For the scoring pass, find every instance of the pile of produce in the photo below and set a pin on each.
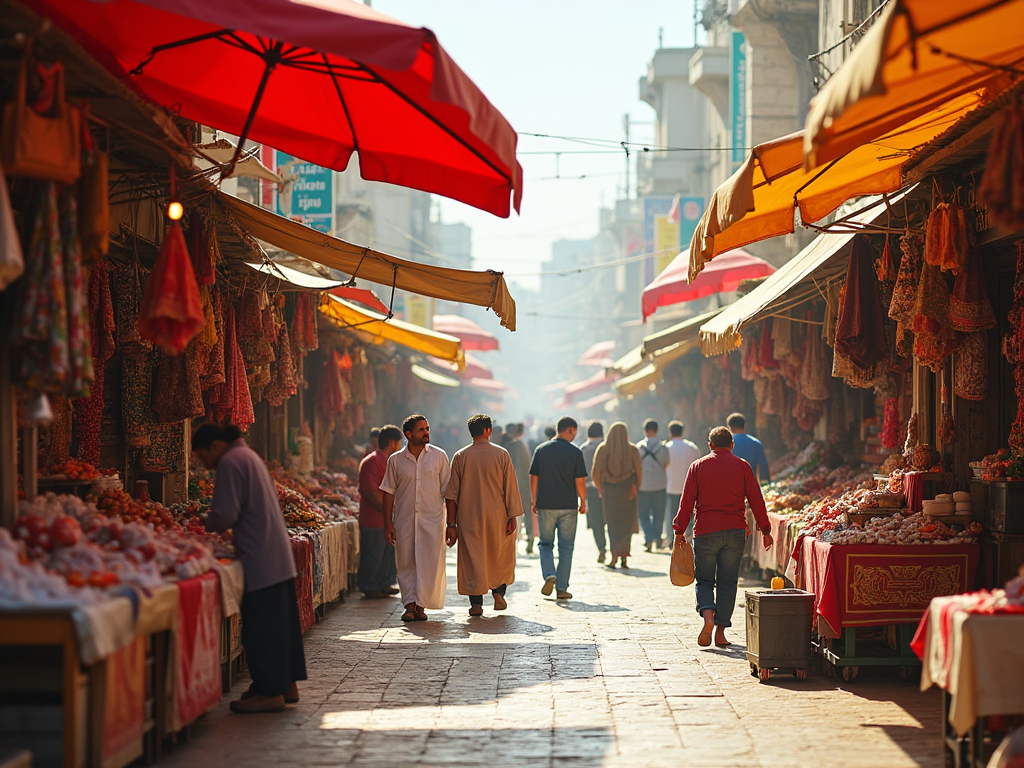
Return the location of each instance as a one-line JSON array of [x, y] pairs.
[[299, 512], [913, 529], [825, 514], [72, 539], [117, 503], [73, 469], [23, 581]]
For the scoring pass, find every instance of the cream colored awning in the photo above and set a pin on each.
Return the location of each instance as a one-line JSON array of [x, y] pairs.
[[684, 333], [433, 377], [349, 317], [805, 276], [294, 277], [639, 382], [485, 289]]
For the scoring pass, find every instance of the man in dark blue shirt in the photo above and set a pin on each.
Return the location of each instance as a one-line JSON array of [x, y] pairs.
[[557, 489], [747, 447]]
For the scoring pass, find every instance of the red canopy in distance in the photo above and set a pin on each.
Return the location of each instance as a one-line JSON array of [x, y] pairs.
[[599, 355], [472, 336], [723, 274], [319, 80]]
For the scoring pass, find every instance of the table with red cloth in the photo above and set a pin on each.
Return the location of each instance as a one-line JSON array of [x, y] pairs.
[[784, 538], [972, 646], [302, 552], [196, 649], [870, 585]]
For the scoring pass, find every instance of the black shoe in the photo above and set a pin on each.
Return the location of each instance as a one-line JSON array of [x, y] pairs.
[[373, 594]]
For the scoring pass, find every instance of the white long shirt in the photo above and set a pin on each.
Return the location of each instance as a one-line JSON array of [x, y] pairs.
[[683, 454]]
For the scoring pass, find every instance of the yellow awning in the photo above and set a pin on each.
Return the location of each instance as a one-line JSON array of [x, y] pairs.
[[807, 275], [484, 289], [758, 201], [352, 318], [916, 57], [434, 377]]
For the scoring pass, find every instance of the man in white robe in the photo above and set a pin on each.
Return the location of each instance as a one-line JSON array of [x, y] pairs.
[[414, 518]]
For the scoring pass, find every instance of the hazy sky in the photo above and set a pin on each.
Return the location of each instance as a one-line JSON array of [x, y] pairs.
[[562, 67]]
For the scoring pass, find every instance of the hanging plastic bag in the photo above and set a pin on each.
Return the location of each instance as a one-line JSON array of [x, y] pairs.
[[171, 312], [681, 571]]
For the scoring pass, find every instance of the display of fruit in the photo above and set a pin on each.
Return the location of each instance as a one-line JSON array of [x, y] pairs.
[[117, 502], [26, 582], [74, 469]]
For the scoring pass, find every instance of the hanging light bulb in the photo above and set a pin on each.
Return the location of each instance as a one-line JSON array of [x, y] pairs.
[[38, 410], [175, 210]]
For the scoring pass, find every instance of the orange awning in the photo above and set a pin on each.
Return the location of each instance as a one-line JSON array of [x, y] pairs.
[[917, 56], [757, 202]]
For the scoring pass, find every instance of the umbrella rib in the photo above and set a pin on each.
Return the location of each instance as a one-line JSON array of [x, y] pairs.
[[344, 104], [435, 121], [272, 57], [177, 44]]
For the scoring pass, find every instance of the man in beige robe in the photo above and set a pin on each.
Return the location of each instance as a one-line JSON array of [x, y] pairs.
[[483, 504]]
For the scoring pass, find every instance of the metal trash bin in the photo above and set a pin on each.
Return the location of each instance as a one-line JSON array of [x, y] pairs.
[[779, 631]]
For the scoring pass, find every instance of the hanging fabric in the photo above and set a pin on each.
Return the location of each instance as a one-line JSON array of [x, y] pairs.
[[934, 337], [94, 206], [904, 296], [1002, 183], [860, 335], [969, 307], [946, 239], [12, 262], [970, 367]]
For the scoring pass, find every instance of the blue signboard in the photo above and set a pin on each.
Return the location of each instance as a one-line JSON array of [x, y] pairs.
[[738, 97], [308, 193]]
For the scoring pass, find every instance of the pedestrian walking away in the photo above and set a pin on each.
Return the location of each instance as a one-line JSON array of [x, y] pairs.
[[483, 510], [595, 506], [377, 567], [618, 472], [414, 518], [558, 490], [716, 490], [651, 502], [245, 500], [748, 447], [682, 453], [521, 463]]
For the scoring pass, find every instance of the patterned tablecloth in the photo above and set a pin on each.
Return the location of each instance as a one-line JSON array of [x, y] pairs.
[[874, 585]]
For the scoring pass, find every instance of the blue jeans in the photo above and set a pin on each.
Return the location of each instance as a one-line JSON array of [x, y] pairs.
[[716, 561], [651, 507], [671, 509], [377, 567], [564, 522]]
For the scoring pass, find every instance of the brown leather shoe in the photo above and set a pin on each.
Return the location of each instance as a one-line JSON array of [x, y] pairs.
[[257, 704]]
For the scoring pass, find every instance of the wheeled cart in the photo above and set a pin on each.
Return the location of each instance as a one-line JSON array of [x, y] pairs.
[[779, 632]]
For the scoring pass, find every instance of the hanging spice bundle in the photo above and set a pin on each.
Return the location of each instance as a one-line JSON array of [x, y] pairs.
[[891, 423], [171, 313], [89, 410], [946, 238], [1002, 183]]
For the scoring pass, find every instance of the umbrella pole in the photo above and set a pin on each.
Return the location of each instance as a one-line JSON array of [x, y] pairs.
[[272, 57]]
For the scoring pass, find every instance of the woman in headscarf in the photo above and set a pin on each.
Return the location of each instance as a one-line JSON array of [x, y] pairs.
[[617, 475]]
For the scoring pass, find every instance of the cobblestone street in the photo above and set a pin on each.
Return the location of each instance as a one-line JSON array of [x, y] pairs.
[[612, 678]]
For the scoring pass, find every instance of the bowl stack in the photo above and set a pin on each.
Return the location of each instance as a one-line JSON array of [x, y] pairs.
[[941, 506]]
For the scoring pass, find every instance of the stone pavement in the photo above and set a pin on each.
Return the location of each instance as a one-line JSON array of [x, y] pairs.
[[612, 678]]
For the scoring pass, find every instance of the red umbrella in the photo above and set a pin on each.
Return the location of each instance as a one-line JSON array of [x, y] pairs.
[[474, 368], [472, 336], [723, 274], [363, 296], [598, 355], [318, 80]]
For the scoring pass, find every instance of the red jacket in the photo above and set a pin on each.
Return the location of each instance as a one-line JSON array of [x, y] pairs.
[[718, 485], [371, 475]]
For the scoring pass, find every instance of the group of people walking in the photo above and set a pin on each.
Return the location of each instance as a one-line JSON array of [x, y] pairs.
[[414, 502]]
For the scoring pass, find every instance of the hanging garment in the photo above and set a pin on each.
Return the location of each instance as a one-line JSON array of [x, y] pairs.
[[970, 367], [969, 307], [782, 338], [177, 394], [904, 296], [89, 410], [80, 371], [814, 372], [891, 423], [171, 313], [935, 339], [211, 360], [860, 335], [946, 237], [1002, 183]]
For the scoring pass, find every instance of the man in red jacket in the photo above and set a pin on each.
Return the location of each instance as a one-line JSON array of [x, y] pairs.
[[717, 486]]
